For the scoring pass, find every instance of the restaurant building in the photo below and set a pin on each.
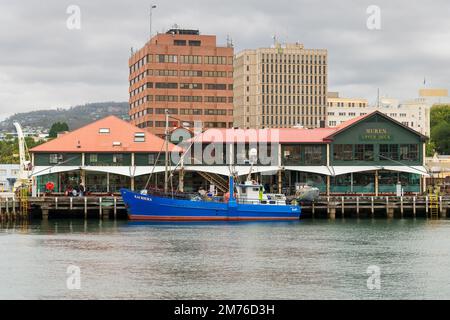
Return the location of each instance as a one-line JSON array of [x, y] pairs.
[[104, 156], [369, 155]]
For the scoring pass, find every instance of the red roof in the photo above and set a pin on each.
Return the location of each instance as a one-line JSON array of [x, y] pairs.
[[282, 135], [117, 136]]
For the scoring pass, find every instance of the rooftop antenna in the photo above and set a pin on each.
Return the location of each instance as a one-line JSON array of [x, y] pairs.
[[229, 41], [153, 6]]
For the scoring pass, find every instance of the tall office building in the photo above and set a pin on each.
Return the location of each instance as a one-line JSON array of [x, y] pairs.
[[186, 73], [282, 86]]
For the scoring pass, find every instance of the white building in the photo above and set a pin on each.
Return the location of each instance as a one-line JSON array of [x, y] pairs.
[[412, 113], [8, 176]]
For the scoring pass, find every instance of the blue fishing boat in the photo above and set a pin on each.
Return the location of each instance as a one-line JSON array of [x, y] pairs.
[[250, 203]]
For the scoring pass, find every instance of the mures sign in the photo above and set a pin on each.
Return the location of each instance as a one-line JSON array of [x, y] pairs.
[[376, 134]]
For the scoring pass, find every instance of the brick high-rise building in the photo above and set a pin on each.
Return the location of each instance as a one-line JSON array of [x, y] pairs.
[[186, 73], [282, 86]]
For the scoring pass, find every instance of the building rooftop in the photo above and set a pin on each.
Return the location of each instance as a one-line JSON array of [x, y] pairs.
[[285, 135], [183, 31], [109, 134]]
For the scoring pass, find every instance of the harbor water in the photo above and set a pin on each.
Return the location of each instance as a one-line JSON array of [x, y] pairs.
[[309, 259]]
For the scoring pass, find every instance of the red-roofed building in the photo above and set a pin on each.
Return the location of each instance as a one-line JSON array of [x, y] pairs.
[[366, 155], [105, 156]]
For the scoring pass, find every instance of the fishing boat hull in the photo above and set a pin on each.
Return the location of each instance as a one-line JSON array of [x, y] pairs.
[[150, 207]]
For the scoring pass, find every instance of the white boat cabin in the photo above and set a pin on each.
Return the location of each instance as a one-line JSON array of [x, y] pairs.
[[253, 193]]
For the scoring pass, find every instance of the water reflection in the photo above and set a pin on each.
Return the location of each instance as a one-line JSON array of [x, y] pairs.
[[167, 260]]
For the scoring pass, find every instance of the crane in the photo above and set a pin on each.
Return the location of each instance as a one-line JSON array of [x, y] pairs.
[[25, 163]]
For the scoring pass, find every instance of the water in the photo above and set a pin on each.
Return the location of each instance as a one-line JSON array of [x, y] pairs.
[[311, 259]]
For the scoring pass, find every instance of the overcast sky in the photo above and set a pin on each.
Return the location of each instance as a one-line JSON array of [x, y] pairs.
[[44, 64]]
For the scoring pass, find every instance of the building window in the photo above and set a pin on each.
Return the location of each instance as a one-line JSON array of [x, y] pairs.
[[409, 152], [118, 158], [103, 130], [343, 152], [313, 154], [139, 137], [364, 152], [179, 42], [191, 86], [93, 158], [388, 152], [195, 43], [166, 85], [167, 58], [191, 59], [55, 158]]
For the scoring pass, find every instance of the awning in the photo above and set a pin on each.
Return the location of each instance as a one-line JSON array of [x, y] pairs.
[[410, 169], [124, 171], [339, 170], [42, 171], [223, 170], [324, 170], [140, 171]]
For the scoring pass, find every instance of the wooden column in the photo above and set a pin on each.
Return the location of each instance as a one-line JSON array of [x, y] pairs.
[[376, 183], [328, 185], [181, 180], [280, 181]]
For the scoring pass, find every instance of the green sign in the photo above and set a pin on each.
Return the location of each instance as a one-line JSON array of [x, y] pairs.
[[374, 134]]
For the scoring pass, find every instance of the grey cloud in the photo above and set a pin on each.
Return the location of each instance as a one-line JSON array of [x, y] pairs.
[[43, 64]]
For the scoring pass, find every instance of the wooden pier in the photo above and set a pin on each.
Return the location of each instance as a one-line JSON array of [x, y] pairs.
[[61, 207], [382, 206], [331, 207]]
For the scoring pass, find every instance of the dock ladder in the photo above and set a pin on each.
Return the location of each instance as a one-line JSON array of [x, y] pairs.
[[433, 204], [23, 202]]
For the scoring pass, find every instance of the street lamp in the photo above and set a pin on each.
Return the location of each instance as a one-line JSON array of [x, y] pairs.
[[153, 6]]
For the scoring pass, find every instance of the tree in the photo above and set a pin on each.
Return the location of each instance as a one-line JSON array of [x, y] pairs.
[[56, 128], [9, 149], [440, 128]]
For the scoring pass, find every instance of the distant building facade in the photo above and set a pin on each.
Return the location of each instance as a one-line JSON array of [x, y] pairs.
[[186, 73], [280, 87], [8, 176], [412, 113]]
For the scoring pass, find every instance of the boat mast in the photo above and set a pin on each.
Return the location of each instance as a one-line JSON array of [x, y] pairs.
[[166, 160]]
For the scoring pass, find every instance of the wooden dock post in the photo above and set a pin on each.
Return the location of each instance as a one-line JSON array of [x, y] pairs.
[[45, 214], [85, 208], [372, 207], [401, 206], [389, 210], [100, 200], [426, 205], [332, 212], [414, 206], [343, 206], [312, 209], [115, 208], [7, 206], [442, 210], [357, 206], [71, 203], [56, 203]]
